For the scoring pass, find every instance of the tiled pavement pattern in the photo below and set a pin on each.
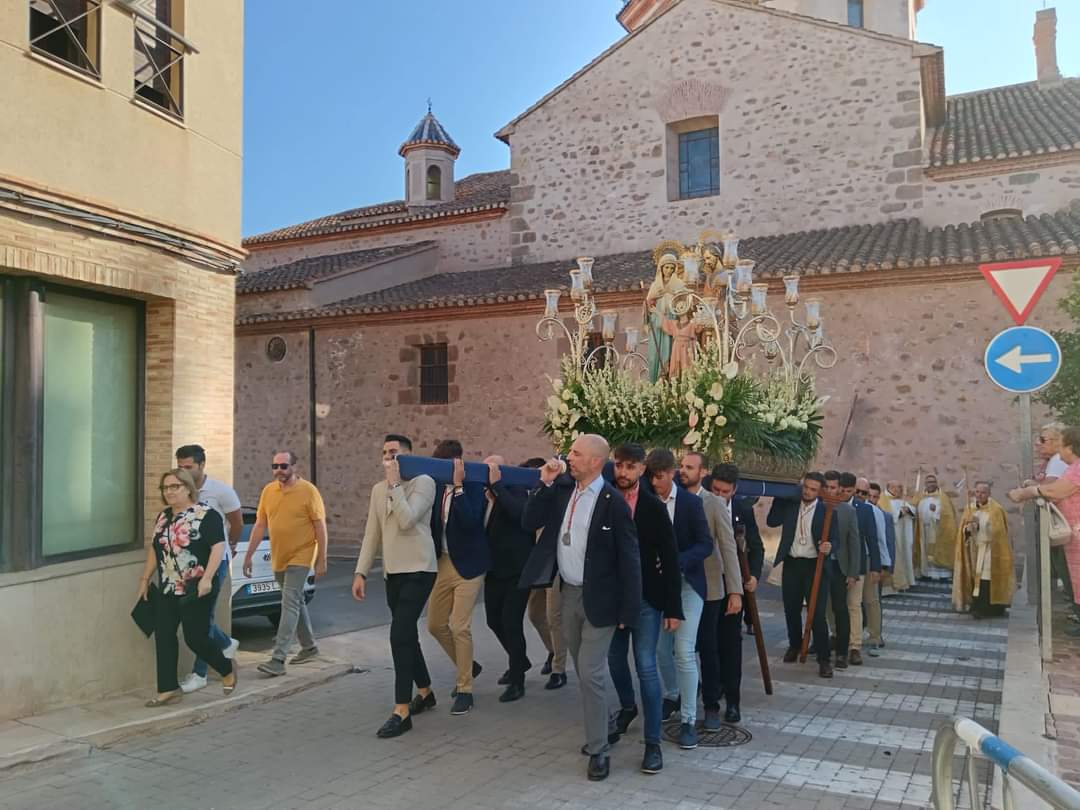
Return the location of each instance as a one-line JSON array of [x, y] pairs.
[[860, 741], [1063, 674]]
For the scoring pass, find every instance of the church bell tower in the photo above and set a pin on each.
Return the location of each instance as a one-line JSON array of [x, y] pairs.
[[429, 154]]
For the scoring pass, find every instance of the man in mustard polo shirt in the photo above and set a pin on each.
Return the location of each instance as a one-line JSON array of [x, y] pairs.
[[293, 510]]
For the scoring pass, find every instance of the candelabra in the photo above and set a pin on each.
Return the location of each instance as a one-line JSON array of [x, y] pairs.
[[720, 294], [551, 325]]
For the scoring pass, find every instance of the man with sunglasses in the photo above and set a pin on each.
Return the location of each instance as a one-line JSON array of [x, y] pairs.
[[853, 489], [293, 510]]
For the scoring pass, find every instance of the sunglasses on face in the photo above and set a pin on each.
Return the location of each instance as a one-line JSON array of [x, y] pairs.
[[864, 492], [279, 466], [1042, 440]]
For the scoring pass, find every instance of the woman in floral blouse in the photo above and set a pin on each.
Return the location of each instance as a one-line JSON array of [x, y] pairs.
[[189, 540]]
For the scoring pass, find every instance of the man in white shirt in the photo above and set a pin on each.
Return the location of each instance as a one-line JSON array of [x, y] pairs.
[[589, 538], [222, 499]]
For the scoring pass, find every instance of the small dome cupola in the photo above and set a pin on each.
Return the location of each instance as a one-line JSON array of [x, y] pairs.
[[429, 154]]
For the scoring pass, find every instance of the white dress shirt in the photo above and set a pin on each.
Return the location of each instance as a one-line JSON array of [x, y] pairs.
[[576, 522], [669, 502], [804, 547], [883, 540]]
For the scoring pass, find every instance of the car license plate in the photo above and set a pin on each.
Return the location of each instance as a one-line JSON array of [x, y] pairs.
[[263, 587]]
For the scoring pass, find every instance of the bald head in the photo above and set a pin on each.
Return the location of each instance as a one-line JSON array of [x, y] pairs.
[[587, 456], [496, 459], [862, 488]]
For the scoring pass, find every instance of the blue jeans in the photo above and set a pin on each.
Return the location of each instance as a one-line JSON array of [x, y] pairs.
[[677, 659], [645, 636], [216, 635]]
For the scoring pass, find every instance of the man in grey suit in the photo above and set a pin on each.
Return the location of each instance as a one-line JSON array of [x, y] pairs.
[[845, 566]]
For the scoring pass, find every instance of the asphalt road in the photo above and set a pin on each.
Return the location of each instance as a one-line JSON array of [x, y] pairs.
[[333, 610]]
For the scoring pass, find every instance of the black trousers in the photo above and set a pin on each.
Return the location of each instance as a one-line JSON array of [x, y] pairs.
[[980, 605], [170, 613], [1059, 569], [406, 595], [729, 639], [708, 648], [505, 605], [838, 590], [796, 582]]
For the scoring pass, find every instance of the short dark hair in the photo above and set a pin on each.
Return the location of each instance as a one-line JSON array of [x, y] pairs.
[[192, 451], [704, 460], [630, 451], [293, 458], [815, 476], [404, 441], [448, 448], [659, 460], [847, 479], [1070, 437], [875, 486], [534, 463], [832, 475], [728, 473]]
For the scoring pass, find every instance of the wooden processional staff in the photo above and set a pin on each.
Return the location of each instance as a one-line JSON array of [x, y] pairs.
[[816, 587], [752, 611]]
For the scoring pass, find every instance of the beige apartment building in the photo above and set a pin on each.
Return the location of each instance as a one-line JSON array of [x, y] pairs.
[[120, 170]]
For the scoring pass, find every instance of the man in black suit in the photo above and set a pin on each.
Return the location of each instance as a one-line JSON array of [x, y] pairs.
[[504, 601], [725, 477], [844, 565], [661, 604], [588, 537], [801, 521], [461, 545]]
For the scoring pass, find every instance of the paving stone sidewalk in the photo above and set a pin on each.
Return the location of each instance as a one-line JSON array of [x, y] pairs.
[[1063, 674], [861, 741]]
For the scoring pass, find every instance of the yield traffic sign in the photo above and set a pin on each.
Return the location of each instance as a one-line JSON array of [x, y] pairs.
[[1022, 359], [1020, 284]]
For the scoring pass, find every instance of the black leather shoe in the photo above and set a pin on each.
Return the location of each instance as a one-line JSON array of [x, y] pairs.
[[669, 708], [420, 704], [825, 669], [624, 718], [546, 669], [463, 703], [599, 768], [841, 662], [556, 681], [504, 679], [731, 715], [653, 761], [514, 691], [612, 738], [394, 727], [791, 655]]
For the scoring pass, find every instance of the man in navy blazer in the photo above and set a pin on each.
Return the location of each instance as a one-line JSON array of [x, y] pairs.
[[802, 522], [588, 537], [461, 545], [676, 655], [870, 612]]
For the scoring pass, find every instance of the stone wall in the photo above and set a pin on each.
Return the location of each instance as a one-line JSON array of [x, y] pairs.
[[474, 245], [923, 398], [188, 395], [819, 127], [1039, 190]]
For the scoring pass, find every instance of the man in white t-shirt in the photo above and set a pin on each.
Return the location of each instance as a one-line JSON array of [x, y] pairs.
[[223, 499]]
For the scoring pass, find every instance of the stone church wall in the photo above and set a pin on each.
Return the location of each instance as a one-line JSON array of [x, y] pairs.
[[1042, 190], [912, 383], [819, 127]]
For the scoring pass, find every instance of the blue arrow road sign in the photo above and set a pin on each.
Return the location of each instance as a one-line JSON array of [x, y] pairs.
[[1022, 359]]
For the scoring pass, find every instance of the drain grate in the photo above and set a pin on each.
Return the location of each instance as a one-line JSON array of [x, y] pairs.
[[726, 737]]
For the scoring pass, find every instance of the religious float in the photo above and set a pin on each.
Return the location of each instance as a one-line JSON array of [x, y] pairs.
[[709, 367]]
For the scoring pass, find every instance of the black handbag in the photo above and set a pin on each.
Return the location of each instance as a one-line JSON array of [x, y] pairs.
[[143, 612]]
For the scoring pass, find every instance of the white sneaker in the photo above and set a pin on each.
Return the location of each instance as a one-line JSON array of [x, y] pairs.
[[192, 683], [230, 651]]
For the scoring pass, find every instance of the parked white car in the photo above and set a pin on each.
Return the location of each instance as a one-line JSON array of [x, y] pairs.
[[259, 595]]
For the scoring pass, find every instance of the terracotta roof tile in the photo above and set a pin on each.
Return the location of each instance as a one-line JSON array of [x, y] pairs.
[[1008, 122], [299, 273], [896, 244], [477, 192]]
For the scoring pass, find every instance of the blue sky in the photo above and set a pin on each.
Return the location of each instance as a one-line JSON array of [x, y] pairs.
[[333, 88]]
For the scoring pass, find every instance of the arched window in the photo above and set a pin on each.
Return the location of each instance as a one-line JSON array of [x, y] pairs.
[[434, 183]]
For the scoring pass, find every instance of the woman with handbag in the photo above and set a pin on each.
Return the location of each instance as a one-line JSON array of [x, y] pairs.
[[1063, 495], [186, 550]]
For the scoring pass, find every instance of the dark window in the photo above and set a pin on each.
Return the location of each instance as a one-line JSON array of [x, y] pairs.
[[72, 366], [855, 13], [159, 58], [276, 349], [67, 30], [699, 163], [1001, 213], [434, 375], [434, 183]]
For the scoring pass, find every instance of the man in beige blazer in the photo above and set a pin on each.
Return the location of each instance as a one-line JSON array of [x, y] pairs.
[[399, 527]]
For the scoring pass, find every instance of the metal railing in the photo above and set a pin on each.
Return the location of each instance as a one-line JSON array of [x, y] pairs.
[[1014, 766]]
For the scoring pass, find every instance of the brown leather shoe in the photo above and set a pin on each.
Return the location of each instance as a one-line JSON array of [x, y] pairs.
[[791, 655], [855, 658]]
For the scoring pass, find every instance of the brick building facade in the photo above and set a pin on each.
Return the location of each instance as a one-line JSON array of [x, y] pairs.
[[836, 154]]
